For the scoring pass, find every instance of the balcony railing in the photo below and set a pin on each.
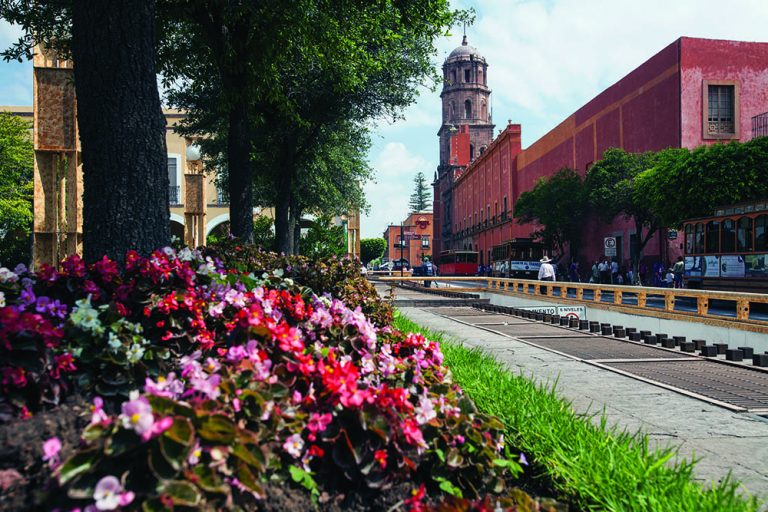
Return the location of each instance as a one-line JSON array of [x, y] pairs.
[[760, 125], [174, 195]]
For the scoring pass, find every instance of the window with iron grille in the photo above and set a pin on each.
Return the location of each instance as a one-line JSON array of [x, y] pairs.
[[720, 115], [721, 109]]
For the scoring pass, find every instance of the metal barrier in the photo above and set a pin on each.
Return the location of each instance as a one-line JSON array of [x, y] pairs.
[[706, 304]]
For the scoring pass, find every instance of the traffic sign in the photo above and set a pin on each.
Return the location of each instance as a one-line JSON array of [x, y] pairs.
[[609, 243]]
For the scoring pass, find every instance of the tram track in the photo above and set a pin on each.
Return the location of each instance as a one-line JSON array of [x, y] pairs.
[[737, 387]]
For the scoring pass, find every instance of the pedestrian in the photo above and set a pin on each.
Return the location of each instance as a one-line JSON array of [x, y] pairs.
[[595, 273], [480, 269], [669, 279], [605, 272], [573, 272], [630, 277], [546, 271], [429, 271], [614, 270], [679, 270]]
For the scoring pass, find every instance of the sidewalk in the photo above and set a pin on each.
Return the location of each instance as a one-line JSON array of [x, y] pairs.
[[724, 440]]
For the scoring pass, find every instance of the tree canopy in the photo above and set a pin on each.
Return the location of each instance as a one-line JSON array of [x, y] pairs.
[[420, 198], [16, 165], [557, 205], [371, 249]]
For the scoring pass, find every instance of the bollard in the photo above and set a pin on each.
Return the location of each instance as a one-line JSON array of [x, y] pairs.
[[734, 354], [709, 351], [635, 336], [644, 334], [619, 333], [668, 343], [606, 330], [721, 347], [630, 330], [584, 325], [616, 328], [661, 335], [540, 317], [650, 339], [555, 320], [760, 360], [699, 343], [687, 346], [547, 318], [574, 323], [564, 320], [594, 326], [678, 339], [748, 352]]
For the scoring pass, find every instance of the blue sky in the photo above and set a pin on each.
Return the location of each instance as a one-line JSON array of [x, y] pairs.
[[546, 58]]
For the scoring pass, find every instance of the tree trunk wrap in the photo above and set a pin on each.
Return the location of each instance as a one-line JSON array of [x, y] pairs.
[[122, 128]]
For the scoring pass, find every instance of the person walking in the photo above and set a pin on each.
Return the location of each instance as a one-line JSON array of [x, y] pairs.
[[546, 271], [429, 271], [595, 273], [678, 269]]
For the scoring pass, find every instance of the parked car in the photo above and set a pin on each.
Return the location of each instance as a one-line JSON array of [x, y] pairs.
[[401, 264]]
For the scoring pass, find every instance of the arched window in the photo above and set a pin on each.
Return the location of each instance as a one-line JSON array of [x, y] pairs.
[[467, 109], [483, 111], [744, 234], [713, 236], [761, 233], [699, 241], [728, 236]]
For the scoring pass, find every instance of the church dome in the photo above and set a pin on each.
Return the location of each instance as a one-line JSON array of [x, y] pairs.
[[465, 51]]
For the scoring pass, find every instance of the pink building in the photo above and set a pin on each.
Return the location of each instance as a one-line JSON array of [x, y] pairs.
[[693, 92]]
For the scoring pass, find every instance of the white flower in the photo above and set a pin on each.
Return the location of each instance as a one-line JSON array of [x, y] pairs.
[[135, 353], [114, 342], [294, 445], [185, 254], [2, 300], [425, 411], [6, 276]]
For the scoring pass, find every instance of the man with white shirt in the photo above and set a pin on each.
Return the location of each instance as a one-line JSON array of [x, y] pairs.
[[546, 271]]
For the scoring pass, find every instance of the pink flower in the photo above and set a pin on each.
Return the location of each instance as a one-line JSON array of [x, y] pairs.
[[168, 387], [137, 415], [413, 434], [109, 494], [51, 449], [294, 445], [319, 422], [425, 412], [99, 417]]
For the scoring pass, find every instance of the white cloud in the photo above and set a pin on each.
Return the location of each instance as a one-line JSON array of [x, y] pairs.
[[388, 194]]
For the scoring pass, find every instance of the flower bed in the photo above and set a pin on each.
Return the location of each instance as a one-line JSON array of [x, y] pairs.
[[216, 387]]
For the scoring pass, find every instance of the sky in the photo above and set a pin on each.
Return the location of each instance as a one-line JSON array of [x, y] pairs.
[[546, 58]]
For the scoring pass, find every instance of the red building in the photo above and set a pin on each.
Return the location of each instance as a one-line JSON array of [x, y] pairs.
[[693, 92], [412, 240]]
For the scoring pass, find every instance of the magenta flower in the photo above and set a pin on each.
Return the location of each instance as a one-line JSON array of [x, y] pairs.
[[319, 422], [109, 494], [51, 449], [98, 417], [168, 387]]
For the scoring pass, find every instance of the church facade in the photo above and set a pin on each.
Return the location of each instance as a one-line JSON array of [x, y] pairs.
[[693, 92]]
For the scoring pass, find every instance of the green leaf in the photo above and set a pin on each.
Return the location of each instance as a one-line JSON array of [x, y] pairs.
[[447, 487], [248, 479], [182, 431], [218, 428], [77, 465], [209, 480], [160, 466], [252, 456], [182, 493]]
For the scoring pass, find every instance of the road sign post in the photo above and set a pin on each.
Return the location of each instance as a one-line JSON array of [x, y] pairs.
[[609, 244]]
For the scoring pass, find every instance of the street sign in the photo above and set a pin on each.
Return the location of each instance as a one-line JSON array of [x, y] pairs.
[[609, 244], [579, 312], [671, 234]]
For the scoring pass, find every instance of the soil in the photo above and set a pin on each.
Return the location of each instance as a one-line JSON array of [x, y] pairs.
[[24, 478]]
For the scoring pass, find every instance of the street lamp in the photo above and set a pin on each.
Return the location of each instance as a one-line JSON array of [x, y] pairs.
[[194, 203]]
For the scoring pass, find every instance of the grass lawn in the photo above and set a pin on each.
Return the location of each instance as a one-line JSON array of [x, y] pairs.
[[592, 465]]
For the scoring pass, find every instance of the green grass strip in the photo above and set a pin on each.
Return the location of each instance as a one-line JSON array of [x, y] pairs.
[[595, 466]]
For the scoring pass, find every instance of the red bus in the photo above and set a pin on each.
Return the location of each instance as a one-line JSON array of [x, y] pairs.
[[457, 263], [729, 250]]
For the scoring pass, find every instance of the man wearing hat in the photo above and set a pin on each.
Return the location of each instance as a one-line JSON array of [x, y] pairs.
[[546, 271]]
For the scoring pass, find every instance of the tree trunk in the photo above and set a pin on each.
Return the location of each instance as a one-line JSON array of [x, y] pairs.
[[240, 174], [122, 128], [295, 223], [283, 234]]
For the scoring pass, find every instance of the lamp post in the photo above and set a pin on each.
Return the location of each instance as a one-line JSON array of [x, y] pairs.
[[194, 203]]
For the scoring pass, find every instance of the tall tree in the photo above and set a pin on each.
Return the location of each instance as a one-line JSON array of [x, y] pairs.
[[557, 205], [420, 198], [16, 163], [121, 125], [612, 188], [683, 184]]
